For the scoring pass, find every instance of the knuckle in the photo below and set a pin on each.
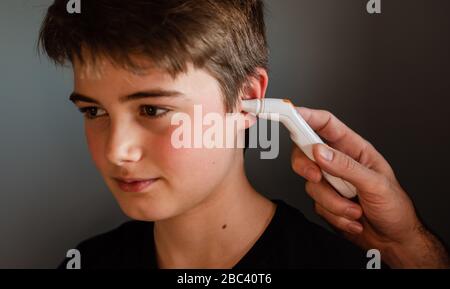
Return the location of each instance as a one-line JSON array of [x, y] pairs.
[[378, 184], [383, 183], [296, 163], [348, 163], [335, 208], [377, 190], [368, 145], [317, 209], [326, 112], [309, 188], [342, 223], [331, 117]]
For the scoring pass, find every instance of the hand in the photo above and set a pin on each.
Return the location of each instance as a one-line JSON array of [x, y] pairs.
[[382, 216]]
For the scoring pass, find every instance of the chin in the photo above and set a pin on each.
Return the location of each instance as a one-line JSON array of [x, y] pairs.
[[147, 210]]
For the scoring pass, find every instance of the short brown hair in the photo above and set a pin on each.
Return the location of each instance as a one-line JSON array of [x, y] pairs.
[[225, 37]]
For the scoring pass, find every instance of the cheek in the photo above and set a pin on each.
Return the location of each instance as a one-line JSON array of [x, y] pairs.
[[192, 167], [95, 143]]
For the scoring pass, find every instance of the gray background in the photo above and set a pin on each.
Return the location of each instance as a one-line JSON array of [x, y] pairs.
[[386, 76]]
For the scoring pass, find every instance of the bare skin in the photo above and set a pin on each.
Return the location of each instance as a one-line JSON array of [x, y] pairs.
[[213, 242], [206, 213], [227, 223], [209, 188], [384, 217]]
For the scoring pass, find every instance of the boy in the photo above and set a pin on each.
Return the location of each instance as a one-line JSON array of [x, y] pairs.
[[136, 64]]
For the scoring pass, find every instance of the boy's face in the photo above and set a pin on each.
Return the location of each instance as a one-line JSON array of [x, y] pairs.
[[132, 138]]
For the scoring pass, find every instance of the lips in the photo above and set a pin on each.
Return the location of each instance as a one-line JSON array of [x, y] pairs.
[[135, 184]]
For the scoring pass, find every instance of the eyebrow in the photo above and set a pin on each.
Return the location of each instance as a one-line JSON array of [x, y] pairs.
[[77, 97]]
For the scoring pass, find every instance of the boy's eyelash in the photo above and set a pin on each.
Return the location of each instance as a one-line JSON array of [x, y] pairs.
[[141, 108], [85, 110]]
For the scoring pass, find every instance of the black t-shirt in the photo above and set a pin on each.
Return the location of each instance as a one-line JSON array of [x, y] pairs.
[[289, 241]]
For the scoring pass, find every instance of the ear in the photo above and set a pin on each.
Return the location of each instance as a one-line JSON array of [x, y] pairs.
[[255, 88]]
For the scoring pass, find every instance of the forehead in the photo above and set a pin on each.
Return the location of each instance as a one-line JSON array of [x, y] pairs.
[[106, 78], [103, 68]]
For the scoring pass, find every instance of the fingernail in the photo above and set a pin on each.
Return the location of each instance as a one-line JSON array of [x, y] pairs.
[[325, 153], [311, 174], [354, 228], [352, 213]]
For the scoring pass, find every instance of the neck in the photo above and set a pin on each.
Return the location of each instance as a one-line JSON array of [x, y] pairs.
[[218, 231]]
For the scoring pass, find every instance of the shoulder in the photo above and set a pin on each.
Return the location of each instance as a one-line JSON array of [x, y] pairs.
[[306, 244], [116, 248]]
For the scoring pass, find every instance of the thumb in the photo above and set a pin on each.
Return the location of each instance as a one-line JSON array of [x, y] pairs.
[[343, 166]]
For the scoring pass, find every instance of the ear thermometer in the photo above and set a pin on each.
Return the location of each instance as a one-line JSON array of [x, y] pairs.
[[300, 132]]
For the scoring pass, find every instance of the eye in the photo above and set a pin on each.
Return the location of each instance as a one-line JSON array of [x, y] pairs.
[[91, 112], [153, 111]]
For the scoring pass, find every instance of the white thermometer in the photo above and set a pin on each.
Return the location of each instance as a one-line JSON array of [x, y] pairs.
[[301, 133]]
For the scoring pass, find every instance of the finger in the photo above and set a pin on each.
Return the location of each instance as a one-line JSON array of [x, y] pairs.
[[341, 165], [344, 139], [333, 130], [340, 223], [324, 195], [305, 167]]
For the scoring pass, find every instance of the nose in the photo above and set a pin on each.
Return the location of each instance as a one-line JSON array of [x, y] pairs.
[[123, 144]]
